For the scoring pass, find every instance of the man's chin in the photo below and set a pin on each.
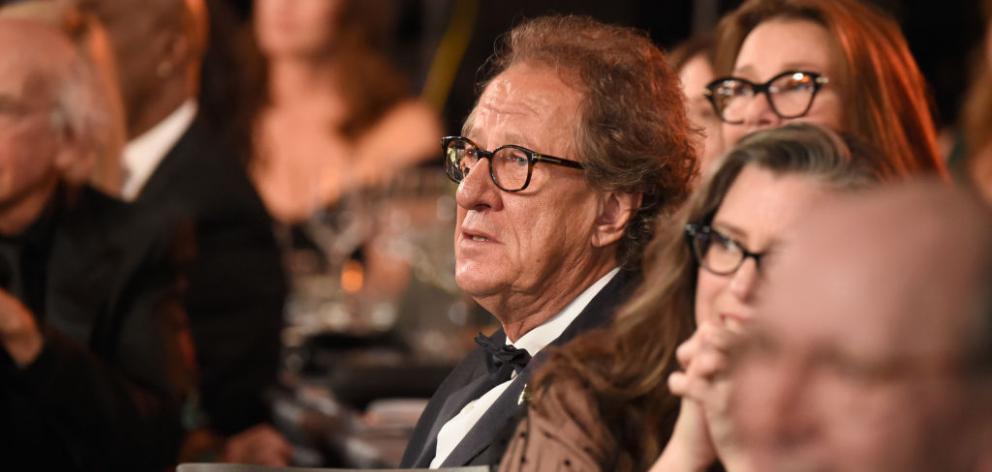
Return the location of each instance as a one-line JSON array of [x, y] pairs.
[[476, 283], [475, 288]]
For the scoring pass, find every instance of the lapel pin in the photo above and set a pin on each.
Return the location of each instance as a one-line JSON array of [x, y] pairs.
[[524, 397]]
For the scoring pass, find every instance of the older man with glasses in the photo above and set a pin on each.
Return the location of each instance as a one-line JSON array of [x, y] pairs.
[[577, 144]]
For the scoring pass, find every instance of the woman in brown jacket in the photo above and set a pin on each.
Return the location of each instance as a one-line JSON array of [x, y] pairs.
[[603, 402]]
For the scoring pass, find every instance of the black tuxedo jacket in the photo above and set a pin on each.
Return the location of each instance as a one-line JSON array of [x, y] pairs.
[[235, 281], [486, 441], [105, 392]]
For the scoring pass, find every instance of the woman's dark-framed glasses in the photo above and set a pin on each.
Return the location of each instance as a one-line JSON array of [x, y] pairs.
[[717, 252], [790, 94], [510, 166]]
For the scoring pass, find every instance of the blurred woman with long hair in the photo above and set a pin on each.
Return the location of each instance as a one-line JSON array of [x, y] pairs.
[[334, 114]]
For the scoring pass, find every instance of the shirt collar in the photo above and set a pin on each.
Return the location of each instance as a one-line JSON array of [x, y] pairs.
[[538, 338], [143, 154]]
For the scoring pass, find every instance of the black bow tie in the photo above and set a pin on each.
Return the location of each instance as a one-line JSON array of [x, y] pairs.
[[503, 358]]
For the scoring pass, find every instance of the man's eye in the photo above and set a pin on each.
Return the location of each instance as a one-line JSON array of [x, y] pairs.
[[513, 158]]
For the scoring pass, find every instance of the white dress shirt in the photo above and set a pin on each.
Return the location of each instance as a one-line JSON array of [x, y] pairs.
[[533, 341], [143, 154]]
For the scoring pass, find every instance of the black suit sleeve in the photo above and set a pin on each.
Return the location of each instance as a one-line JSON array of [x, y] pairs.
[[235, 281], [111, 402], [235, 300], [95, 417]]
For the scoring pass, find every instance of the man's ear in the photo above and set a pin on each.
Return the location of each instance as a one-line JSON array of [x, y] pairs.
[[176, 52], [73, 160], [615, 213]]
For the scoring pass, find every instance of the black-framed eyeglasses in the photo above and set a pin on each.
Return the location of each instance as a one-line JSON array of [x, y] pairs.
[[510, 166], [717, 252], [790, 94]]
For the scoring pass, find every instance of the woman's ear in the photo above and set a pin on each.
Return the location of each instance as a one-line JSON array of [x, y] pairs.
[[615, 213]]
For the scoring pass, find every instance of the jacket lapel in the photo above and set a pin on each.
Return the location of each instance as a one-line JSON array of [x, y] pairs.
[[438, 411], [171, 170], [452, 405], [81, 266], [492, 424], [461, 397]]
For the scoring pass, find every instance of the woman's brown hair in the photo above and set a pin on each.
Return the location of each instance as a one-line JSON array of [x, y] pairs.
[[370, 84], [626, 366], [888, 102]]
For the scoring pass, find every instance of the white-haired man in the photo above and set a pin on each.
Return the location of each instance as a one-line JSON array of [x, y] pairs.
[[91, 333]]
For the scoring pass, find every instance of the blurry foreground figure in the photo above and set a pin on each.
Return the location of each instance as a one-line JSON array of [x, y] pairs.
[[880, 358], [93, 351]]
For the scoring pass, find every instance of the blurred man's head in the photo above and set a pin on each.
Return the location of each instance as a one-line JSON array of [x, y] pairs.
[[871, 347], [49, 113], [158, 45], [91, 40]]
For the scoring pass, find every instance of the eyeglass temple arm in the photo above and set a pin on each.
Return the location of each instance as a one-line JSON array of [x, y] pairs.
[[558, 161]]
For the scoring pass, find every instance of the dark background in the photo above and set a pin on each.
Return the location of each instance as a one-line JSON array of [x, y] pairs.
[[942, 35]]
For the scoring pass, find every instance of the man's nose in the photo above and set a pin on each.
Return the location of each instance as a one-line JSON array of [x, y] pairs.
[[477, 190]]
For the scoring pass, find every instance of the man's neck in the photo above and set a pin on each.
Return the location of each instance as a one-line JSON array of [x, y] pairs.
[[520, 314], [144, 116]]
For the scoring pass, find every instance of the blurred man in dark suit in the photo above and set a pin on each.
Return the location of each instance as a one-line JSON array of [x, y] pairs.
[[576, 146], [178, 168], [92, 343]]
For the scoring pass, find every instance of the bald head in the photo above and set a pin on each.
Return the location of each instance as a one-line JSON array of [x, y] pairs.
[[905, 262], [157, 45], [863, 351]]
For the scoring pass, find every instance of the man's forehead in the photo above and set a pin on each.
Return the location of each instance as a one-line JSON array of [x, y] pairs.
[[524, 101], [514, 96], [21, 68], [525, 89], [831, 310], [851, 279]]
